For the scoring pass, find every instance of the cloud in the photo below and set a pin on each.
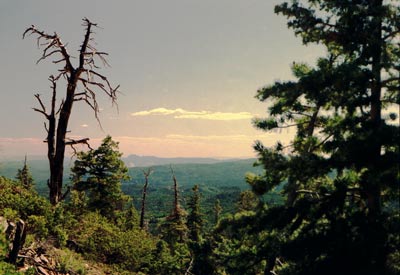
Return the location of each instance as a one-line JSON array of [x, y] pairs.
[[211, 137], [170, 145], [84, 125], [184, 114]]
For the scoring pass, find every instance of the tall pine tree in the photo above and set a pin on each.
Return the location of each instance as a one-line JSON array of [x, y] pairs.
[[195, 220], [341, 171]]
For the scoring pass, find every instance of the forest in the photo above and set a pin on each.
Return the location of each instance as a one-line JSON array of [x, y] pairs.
[[326, 203]]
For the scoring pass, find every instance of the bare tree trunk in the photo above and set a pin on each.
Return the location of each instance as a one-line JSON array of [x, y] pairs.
[[176, 195]]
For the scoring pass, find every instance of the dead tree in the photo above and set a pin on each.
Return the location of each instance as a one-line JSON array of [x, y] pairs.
[[177, 208], [83, 83], [146, 183]]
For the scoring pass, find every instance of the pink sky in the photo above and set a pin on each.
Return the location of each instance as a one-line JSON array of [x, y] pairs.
[[188, 70]]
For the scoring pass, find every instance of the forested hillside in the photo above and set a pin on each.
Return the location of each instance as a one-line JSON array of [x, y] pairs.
[[325, 202], [223, 181]]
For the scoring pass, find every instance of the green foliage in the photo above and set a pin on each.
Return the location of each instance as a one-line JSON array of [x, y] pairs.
[[98, 174], [8, 269], [24, 176], [173, 228], [238, 250], [70, 262], [223, 181], [103, 241], [14, 197], [167, 260], [195, 220], [247, 201], [340, 173], [5, 268], [217, 211]]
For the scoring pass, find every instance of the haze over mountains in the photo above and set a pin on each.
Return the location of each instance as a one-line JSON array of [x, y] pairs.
[[196, 168], [36, 161], [221, 179], [145, 161]]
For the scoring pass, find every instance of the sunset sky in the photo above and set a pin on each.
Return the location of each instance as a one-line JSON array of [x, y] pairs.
[[188, 72]]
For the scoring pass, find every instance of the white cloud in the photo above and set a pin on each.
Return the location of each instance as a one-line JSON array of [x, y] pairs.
[[184, 114], [211, 137]]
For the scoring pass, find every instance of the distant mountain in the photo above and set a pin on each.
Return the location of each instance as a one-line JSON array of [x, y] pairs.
[[217, 179], [39, 167], [145, 161]]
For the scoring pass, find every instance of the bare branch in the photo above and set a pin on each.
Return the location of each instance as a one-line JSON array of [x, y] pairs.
[[44, 56], [71, 142], [43, 110], [84, 45], [40, 111], [148, 172], [60, 107], [40, 102], [52, 41]]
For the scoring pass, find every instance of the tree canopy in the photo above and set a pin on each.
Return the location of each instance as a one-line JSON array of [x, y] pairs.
[[98, 173], [340, 172]]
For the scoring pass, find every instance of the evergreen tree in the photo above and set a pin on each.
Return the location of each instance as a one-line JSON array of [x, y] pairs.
[[341, 170], [98, 174], [217, 211], [24, 176], [195, 220], [248, 201], [174, 227]]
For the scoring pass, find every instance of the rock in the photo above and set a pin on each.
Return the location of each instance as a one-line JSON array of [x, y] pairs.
[[42, 271], [44, 259]]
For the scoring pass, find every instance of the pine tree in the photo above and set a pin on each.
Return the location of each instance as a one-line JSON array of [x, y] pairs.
[[174, 232], [248, 201], [174, 228], [195, 220], [98, 173], [24, 176], [217, 211], [340, 173]]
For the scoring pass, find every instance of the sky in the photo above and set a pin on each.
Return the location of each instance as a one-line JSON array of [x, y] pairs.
[[188, 72]]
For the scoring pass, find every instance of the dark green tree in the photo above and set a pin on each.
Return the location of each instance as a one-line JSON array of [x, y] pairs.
[[341, 172], [174, 227], [98, 174], [217, 211], [130, 218], [24, 176], [248, 201], [195, 220], [174, 232]]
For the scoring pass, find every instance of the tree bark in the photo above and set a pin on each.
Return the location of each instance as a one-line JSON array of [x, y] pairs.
[[373, 189]]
